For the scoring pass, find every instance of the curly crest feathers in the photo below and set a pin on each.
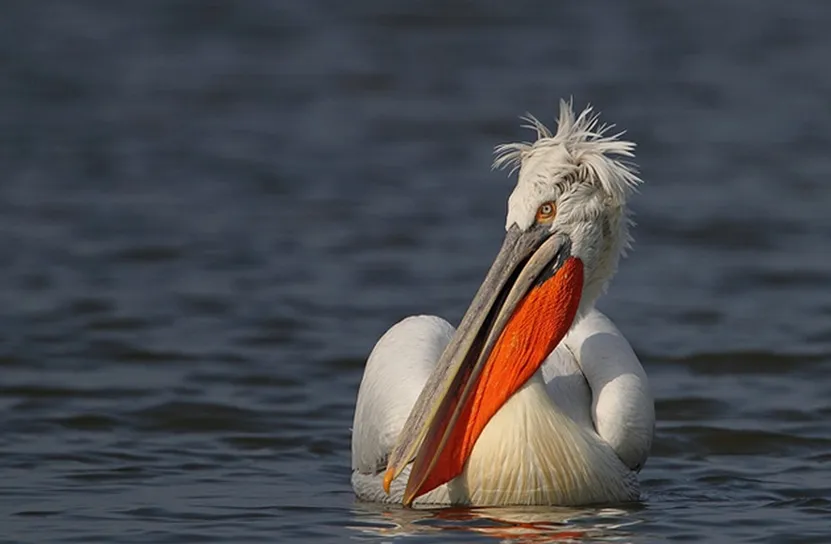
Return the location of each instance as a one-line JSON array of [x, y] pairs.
[[591, 151]]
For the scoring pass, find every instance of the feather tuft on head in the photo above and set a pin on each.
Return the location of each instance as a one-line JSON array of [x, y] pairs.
[[592, 153]]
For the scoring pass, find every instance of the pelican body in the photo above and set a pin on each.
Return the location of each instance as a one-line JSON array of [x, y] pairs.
[[536, 398]]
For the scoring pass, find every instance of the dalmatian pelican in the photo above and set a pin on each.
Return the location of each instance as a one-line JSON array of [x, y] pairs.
[[536, 398]]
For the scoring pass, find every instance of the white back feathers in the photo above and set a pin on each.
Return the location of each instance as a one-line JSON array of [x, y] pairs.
[[580, 151]]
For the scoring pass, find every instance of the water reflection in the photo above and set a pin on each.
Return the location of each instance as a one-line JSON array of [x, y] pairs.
[[506, 524]]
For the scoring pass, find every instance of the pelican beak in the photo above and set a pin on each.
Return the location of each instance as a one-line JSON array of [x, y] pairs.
[[524, 308]]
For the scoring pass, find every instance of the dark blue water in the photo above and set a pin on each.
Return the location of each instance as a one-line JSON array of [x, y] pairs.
[[211, 210]]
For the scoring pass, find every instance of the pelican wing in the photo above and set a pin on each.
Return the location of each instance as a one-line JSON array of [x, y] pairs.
[[395, 374], [622, 407]]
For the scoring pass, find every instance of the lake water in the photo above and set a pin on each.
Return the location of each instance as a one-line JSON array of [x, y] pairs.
[[211, 210]]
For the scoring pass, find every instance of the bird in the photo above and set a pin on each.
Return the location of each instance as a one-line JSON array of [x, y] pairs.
[[536, 398]]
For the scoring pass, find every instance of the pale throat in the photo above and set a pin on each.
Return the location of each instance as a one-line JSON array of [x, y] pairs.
[[531, 452]]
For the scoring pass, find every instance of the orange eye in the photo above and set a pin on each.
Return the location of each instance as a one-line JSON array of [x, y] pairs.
[[546, 212]]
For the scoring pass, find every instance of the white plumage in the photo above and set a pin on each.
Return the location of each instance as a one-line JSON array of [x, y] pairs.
[[581, 427]]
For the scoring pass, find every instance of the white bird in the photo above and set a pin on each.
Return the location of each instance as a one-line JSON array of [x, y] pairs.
[[537, 398]]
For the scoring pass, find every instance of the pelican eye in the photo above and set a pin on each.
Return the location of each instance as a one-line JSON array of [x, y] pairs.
[[546, 212]]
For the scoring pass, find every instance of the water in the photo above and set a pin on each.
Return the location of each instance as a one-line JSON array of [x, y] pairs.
[[209, 212]]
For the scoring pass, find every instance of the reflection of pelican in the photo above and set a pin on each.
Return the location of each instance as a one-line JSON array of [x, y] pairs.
[[537, 398], [506, 524]]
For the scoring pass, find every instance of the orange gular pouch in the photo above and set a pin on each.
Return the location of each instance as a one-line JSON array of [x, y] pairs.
[[539, 322]]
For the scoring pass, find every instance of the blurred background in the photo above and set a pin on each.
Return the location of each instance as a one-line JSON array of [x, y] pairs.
[[211, 210]]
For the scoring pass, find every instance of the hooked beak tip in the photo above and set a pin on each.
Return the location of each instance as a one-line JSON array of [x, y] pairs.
[[389, 476]]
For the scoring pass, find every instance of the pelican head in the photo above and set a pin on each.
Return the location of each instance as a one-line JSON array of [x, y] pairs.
[[566, 228], [577, 176]]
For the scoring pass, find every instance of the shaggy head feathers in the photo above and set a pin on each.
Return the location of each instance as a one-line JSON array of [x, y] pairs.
[[583, 150]]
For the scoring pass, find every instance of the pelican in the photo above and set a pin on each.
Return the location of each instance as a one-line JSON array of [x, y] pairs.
[[537, 398]]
